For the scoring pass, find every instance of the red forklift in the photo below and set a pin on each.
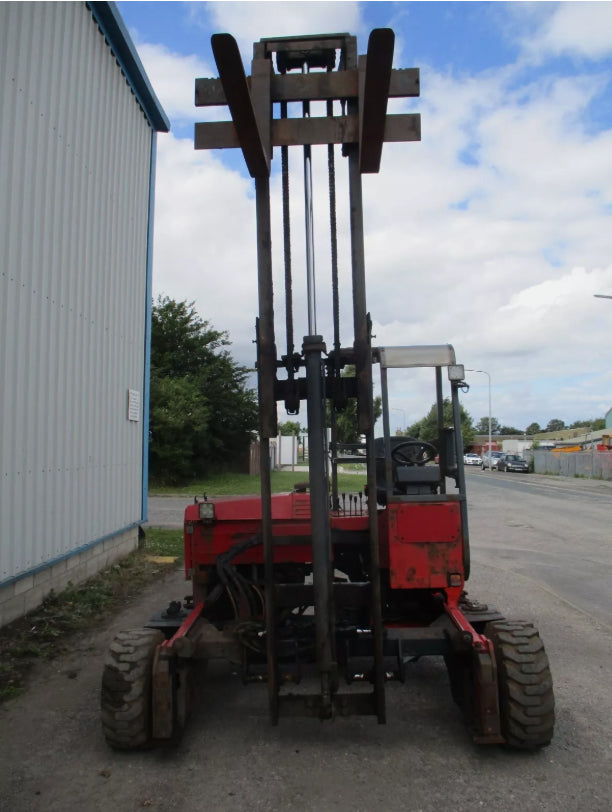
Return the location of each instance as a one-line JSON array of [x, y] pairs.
[[325, 595]]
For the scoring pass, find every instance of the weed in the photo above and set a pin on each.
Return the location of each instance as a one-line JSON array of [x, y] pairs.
[[45, 632], [164, 542], [243, 484]]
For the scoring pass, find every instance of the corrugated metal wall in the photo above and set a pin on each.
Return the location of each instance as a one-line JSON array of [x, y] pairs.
[[75, 151]]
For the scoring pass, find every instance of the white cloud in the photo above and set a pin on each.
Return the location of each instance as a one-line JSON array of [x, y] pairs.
[[172, 74], [204, 247], [568, 291], [173, 77], [581, 30], [492, 233], [250, 21]]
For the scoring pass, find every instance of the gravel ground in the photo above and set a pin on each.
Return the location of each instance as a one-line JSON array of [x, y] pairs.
[[54, 756]]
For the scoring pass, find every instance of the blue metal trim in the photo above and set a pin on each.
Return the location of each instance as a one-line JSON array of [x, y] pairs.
[[146, 386], [109, 19], [66, 556]]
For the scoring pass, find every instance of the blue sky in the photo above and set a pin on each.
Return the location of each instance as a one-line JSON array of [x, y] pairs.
[[492, 233], [440, 33]]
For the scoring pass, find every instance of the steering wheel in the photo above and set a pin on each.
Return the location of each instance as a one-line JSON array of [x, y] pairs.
[[413, 452]]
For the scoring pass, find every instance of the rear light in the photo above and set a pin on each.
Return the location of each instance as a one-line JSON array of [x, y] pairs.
[[207, 511], [455, 579]]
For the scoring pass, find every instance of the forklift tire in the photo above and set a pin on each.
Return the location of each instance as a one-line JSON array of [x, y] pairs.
[[126, 689], [526, 700]]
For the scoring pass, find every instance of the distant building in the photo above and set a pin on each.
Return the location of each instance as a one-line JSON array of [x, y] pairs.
[[77, 158], [516, 446], [609, 419], [480, 444]]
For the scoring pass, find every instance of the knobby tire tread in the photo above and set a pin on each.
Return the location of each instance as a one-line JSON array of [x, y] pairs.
[[126, 689], [527, 705]]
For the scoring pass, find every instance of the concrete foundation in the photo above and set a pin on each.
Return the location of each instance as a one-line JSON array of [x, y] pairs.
[[27, 593]]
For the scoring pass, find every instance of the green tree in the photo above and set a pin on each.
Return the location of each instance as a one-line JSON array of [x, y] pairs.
[[594, 424], [533, 428], [414, 430], [555, 425], [509, 430], [176, 415], [202, 414], [482, 427], [290, 427], [580, 424], [427, 428], [346, 420]]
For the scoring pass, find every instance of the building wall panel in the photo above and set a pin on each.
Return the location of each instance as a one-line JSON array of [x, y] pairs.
[[75, 153]]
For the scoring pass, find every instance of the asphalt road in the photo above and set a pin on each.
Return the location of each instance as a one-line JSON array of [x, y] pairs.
[[53, 756], [554, 531]]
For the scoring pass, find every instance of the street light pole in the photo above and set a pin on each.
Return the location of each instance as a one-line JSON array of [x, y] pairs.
[[484, 372]]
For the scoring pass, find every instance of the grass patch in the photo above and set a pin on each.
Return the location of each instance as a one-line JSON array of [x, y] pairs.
[[45, 632], [243, 484], [164, 542]]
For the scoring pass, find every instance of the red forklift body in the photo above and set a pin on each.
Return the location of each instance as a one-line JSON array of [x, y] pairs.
[[421, 544], [424, 545]]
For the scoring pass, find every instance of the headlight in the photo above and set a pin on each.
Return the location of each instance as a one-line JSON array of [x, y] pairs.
[[207, 511]]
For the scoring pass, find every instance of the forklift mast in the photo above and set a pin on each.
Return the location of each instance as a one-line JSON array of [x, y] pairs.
[[304, 70]]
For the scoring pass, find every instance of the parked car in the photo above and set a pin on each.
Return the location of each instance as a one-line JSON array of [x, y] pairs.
[[472, 459], [491, 460], [512, 462]]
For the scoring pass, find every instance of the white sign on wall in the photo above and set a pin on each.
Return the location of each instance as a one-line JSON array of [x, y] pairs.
[[133, 405]]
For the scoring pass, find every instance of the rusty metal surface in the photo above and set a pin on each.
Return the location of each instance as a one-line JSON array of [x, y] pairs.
[[357, 704], [487, 716], [266, 347], [261, 77], [322, 570], [404, 82], [345, 594], [251, 103], [248, 128], [316, 130], [424, 544], [162, 709], [310, 43], [250, 98], [373, 95], [209, 643], [483, 684]]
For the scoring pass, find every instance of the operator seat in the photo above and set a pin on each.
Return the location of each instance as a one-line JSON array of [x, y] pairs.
[[407, 479]]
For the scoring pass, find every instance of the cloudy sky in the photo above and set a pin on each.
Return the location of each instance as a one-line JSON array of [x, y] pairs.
[[492, 233]]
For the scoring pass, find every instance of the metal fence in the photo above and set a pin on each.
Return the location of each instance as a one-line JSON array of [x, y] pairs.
[[589, 464]]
